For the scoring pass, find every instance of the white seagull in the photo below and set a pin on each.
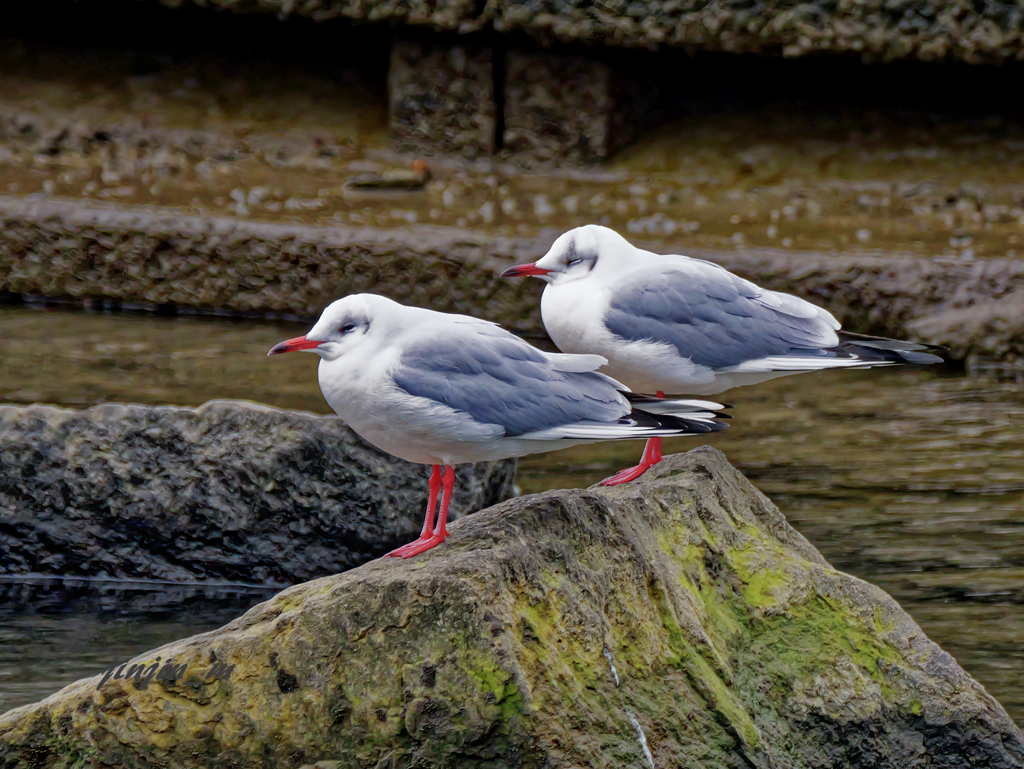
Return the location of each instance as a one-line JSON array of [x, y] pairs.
[[442, 389], [672, 324]]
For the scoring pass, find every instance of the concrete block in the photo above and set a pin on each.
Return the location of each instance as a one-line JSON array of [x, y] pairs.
[[441, 95], [572, 108]]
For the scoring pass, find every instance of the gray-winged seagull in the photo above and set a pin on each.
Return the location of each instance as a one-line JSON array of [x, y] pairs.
[[443, 389], [672, 324]]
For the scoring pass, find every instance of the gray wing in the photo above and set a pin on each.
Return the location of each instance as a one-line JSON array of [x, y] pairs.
[[716, 318], [499, 379]]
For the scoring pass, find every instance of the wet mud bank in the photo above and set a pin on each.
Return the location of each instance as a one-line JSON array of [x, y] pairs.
[[679, 621], [230, 491]]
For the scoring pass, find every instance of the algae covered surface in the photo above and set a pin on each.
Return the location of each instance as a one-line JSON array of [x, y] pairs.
[[554, 630]]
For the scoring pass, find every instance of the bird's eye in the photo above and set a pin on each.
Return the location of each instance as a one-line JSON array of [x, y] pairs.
[[347, 327], [571, 262]]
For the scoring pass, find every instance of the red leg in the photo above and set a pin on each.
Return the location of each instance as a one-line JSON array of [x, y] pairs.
[[446, 498], [428, 521], [650, 457], [655, 450], [440, 529]]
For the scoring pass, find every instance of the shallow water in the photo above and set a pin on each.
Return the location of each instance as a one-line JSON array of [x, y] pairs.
[[54, 632], [908, 479]]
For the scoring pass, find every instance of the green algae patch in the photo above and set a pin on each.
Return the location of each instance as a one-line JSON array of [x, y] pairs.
[[720, 699], [761, 587], [814, 637], [765, 569], [555, 631]]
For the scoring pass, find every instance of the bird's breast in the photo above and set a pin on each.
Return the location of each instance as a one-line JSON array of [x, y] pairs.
[[574, 317]]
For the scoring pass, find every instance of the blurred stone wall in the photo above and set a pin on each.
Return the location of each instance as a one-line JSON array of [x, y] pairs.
[[928, 30], [572, 107], [577, 108], [458, 15], [442, 95]]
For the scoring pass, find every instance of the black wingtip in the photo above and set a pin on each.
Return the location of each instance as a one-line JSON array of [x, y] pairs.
[[885, 343], [681, 423], [921, 358], [878, 348]]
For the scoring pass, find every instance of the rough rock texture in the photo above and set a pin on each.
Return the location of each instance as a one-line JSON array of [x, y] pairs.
[[928, 30], [230, 490], [978, 332], [549, 631], [460, 15], [441, 96], [571, 108], [155, 256]]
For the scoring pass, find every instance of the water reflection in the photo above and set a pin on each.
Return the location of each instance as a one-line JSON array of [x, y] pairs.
[[908, 479], [54, 632], [77, 358]]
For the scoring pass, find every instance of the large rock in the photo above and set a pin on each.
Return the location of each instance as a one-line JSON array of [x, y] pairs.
[[229, 490], [679, 615]]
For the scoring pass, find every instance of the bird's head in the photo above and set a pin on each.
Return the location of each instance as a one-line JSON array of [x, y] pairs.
[[344, 326], [579, 253]]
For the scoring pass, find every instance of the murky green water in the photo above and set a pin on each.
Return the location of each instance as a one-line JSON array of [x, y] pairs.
[[54, 632], [908, 479]]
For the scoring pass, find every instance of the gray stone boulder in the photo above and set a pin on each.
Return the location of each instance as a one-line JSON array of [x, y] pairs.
[[227, 491], [675, 622]]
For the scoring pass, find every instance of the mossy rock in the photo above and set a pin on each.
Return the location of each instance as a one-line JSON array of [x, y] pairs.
[[549, 631]]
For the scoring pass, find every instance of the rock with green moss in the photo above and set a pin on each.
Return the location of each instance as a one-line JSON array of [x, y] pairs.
[[674, 622]]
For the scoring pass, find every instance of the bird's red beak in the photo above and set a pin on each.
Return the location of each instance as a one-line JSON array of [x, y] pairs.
[[291, 345], [521, 270]]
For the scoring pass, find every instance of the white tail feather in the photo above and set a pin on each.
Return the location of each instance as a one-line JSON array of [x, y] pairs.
[[794, 363], [607, 432], [687, 408]]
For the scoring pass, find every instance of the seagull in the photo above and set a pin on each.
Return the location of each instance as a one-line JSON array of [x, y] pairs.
[[673, 324], [440, 389]]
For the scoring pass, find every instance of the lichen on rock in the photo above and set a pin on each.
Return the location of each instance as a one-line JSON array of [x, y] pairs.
[[734, 644]]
